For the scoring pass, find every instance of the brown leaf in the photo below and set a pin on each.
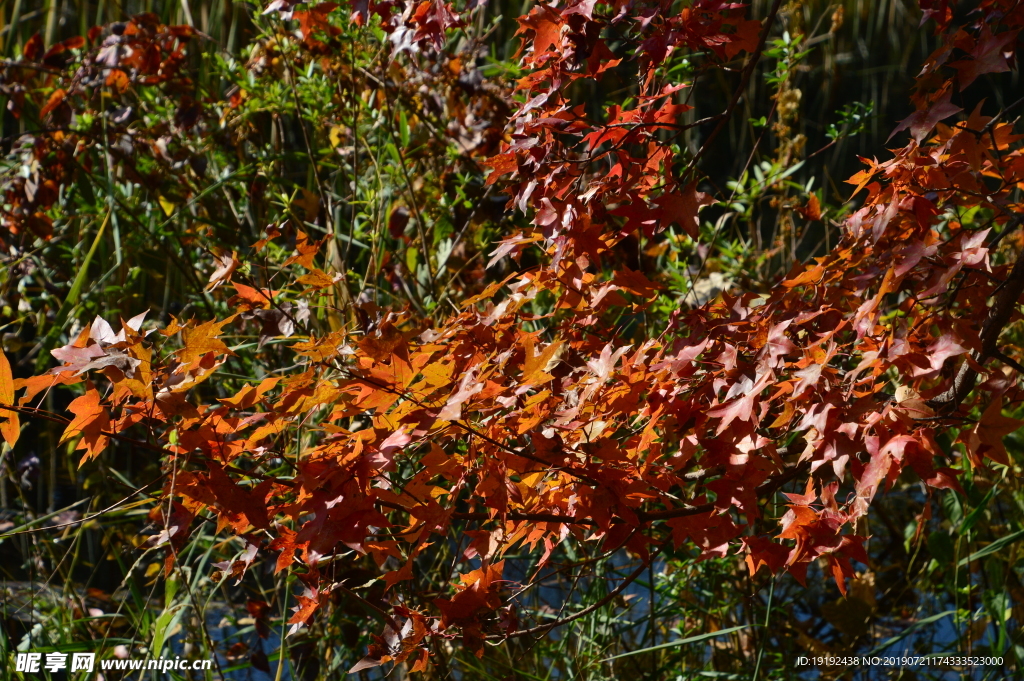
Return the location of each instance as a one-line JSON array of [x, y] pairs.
[[226, 263]]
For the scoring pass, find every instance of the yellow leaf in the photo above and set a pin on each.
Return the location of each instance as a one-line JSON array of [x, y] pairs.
[[536, 367], [335, 135], [167, 205], [317, 279], [201, 340]]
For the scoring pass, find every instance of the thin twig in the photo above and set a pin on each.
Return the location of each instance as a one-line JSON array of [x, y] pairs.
[[540, 629]]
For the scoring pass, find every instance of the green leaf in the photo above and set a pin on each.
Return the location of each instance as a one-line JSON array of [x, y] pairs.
[[165, 625], [393, 152], [968, 524], [403, 129], [952, 507]]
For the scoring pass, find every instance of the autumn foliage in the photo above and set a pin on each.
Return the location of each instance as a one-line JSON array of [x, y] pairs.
[[553, 405]]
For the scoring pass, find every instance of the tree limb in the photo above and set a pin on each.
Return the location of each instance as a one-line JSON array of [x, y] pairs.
[[748, 71], [999, 316], [540, 629]]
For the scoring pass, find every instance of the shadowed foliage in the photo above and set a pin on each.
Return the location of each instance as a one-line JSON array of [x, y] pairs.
[[467, 340]]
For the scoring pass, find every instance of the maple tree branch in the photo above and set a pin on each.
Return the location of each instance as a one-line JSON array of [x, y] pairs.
[[541, 628], [252, 283], [41, 413], [388, 619], [679, 128], [655, 124], [677, 512], [999, 316], [748, 71], [1009, 361], [773, 485], [473, 431], [702, 474], [35, 411], [766, 488], [718, 226], [83, 519], [530, 517], [995, 119], [32, 66]]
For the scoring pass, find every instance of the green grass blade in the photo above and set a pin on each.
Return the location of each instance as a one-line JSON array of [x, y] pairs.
[[910, 630], [681, 642], [995, 546]]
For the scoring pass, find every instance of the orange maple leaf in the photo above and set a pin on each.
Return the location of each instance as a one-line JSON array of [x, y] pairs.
[[91, 422], [201, 340], [10, 428]]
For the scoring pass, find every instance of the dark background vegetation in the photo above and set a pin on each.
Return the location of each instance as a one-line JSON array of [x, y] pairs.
[[172, 175]]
